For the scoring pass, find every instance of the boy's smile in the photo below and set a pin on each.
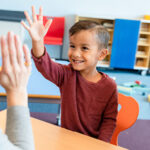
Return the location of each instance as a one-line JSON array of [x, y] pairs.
[[84, 51], [75, 61]]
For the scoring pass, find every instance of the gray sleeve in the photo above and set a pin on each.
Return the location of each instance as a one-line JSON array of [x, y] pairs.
[[19, 134]]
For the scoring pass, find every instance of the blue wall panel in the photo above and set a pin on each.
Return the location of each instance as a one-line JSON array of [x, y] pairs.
[[125, 39]]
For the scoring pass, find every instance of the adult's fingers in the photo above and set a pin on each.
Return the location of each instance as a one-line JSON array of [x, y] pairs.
[[12, 49], [19, 51], [27, 55], [5, 54]]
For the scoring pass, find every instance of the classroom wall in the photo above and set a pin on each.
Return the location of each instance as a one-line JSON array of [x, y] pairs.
[[114, 8], [69, 8]]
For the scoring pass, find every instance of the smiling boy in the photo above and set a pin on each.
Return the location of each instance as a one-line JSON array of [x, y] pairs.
[[88, 98]]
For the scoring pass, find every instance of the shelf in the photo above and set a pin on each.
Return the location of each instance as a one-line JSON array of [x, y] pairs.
[[103, 64], [141, 56], [145, 21], [143, 52], [110, 30], [143, 44], [145, 32], [140, 68]]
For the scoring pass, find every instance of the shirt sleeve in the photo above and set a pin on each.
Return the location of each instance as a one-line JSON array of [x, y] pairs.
[[109, 118], [51, 70], [19, 134]]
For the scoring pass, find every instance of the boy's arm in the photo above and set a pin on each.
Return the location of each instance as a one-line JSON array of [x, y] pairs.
[[109, 118], [51, 70]]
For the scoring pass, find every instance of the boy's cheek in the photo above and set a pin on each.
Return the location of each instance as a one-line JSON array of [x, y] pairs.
[[69, 54]]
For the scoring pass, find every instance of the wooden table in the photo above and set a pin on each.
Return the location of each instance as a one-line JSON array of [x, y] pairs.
[[51, 137]]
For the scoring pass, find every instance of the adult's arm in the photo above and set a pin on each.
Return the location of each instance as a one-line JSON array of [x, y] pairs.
[[18, 130]]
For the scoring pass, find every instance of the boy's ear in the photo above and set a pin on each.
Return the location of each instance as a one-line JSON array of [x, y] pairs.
[[103, 54]]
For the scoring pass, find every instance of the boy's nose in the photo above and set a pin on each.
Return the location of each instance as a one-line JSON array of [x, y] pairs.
[[77, 53]]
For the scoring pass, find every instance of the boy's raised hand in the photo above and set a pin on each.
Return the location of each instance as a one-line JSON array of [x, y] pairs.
[[36, 28], [15, 72]]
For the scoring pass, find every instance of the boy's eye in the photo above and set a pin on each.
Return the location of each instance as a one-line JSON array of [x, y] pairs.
[[72, 46], [85, 48]]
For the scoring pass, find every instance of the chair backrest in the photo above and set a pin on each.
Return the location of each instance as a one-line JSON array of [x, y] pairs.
[[55, 33], [127, 115]]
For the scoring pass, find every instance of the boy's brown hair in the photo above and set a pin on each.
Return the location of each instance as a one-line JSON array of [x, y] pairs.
[[101, 32]]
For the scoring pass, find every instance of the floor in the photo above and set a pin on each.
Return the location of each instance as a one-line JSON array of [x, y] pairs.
[[137, 137]]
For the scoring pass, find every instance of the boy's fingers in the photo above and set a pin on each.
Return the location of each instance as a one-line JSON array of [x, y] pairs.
[[5, 54], [27, 55], [28, 18], [19, 51], [12, 49], [25, 26], [41, 13], [47, 25], [34, 14]]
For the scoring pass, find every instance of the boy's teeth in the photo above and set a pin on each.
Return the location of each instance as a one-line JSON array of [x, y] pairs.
[[78, 61]]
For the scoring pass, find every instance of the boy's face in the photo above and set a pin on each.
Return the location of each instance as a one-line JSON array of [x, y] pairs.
[[84, 51]]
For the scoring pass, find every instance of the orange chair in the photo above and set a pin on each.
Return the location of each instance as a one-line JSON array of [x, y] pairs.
[[127, 115]]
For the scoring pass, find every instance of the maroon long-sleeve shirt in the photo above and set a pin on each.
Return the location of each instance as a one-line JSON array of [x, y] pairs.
[[86, 107]]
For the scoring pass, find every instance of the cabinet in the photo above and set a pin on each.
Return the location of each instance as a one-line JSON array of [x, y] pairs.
[[140, 43]]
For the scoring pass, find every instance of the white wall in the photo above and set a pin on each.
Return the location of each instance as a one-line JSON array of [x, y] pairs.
[[92, 8], [114, 8]]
